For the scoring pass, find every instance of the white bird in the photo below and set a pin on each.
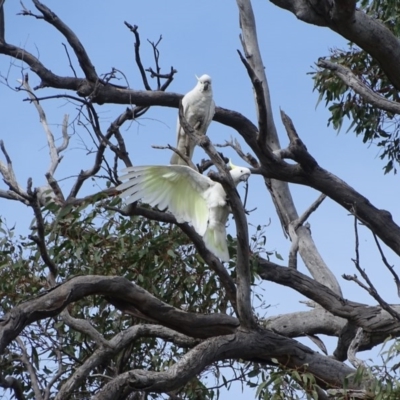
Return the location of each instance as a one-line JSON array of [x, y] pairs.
[[188, 195], [198, 109]]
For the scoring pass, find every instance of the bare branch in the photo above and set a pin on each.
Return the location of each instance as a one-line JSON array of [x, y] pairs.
[[85, 327], [31, 370], [313, 207], [114, 346], [184, 157], [371, 288], [293, 226], [366, 31], [351, 80], [134, 30], [296, 147], [249, 158], [156, 54], [278, 188], [243, 291], [80, 52], [7, 171], [69, 60], [367, 317], [353, 348], [388, 266], [245, 345], [55, 300], [260, 102], [53, 150], [2, 25]]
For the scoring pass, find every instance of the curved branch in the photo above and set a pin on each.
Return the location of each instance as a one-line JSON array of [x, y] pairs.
[[365, 31], [351, 80], [379, 221], [49, 79], [80, 52], [54, 301], [261, 345], [115, 345], [375, 321]]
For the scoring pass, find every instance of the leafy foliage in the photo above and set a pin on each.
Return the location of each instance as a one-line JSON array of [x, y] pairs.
[[91, 239], [372, 124]]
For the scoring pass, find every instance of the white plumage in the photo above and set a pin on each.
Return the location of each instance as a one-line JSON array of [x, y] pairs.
[[188, 195], [198, 109]]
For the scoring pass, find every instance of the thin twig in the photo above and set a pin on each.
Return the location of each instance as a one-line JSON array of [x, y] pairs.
[[388, 266], [371, 288], [134, 30], [184, 157], [69, 60], [31, 370]]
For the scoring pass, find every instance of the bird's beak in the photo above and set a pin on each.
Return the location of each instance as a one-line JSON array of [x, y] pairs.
[[206, 85], [244, 177]]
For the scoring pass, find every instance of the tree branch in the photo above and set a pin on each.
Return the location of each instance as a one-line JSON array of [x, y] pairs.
[[55, 300], [53, 149], [244, 345], [351, 80], [375, 321], [243, 292], [31, 370], [367, 32], [80, 52], [114, 346]]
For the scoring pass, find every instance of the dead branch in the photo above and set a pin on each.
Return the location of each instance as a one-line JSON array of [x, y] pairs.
[[134, 30], [54, 151], [184, 157], [353, 348], [387, 265], [31, 370], [7, 171], [80, 52], [243, 291], [84, 327], [260, 102], [370, 288], [249, 158]]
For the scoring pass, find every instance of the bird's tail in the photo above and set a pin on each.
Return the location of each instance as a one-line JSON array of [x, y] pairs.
[[215, 241]]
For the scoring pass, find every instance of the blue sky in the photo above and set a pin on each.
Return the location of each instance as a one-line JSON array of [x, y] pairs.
[[201, 37]]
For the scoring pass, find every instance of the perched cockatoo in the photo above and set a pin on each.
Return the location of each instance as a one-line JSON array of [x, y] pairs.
[[188, 195], [198, 109]]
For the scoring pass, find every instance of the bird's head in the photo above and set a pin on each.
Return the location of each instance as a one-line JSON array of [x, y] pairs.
[[239, 174], [204, 83]]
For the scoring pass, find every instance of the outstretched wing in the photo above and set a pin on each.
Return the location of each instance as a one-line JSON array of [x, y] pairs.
[[176, 187]]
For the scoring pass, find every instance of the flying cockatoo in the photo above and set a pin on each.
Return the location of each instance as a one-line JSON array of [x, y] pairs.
[[188, 195], [198, 109]]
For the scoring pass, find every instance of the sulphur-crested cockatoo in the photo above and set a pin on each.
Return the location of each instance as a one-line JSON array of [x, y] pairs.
[[198, 109], [188, 195]]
